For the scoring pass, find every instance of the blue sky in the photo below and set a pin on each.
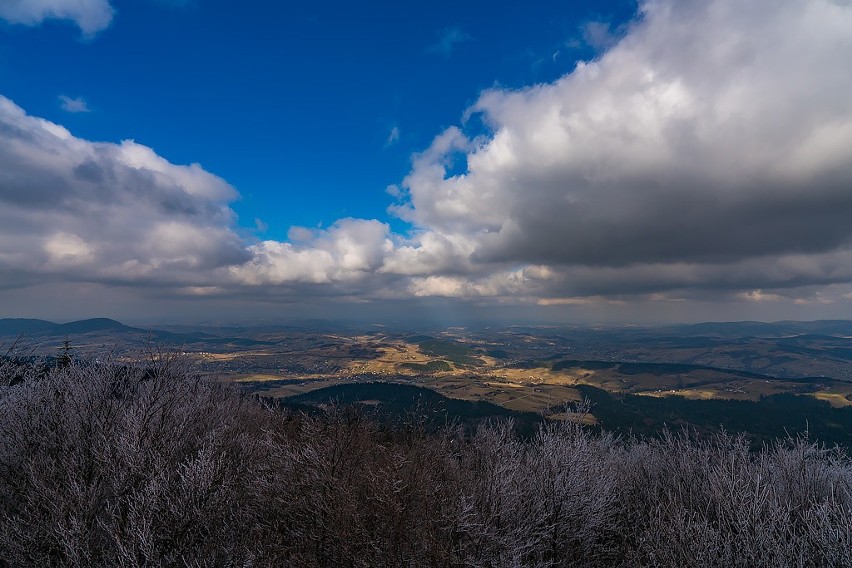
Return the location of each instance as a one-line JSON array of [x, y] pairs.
[[666, 160], [294, 103]]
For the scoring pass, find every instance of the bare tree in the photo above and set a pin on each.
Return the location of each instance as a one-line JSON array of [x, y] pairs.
[[110, 465]]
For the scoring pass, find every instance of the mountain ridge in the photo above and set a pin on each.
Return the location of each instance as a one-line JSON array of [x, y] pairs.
[[40, 329]]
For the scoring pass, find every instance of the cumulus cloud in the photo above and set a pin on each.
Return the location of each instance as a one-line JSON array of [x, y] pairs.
[[74, 209], [598, 35], [707, 153], [91, 16], [711, 145], [351, 249]]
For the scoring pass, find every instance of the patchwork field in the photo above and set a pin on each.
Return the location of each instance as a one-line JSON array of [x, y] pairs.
[[464, 368], [520, 368]]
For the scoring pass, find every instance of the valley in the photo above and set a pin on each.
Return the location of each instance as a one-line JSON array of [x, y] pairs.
[[526, 369]]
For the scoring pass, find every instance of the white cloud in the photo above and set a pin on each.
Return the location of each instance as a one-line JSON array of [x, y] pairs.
[[351, 249], [598, 35], [101, 212], [706, 154], [91, 16], [510, 283], [759, 296], [67, 250], [73, 104], [430, 253], [711, 146]]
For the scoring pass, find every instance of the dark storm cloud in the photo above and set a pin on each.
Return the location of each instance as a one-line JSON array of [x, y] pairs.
[[710, 147], [684, 222]]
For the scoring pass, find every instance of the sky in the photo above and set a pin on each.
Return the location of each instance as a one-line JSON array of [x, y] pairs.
[[520, 162]]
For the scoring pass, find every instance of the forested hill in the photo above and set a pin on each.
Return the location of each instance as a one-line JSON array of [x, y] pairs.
[[21, 326], [111, 330], [399, 403]]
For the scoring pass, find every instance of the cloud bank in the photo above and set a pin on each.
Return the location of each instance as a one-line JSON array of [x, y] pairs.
[[707, 153]]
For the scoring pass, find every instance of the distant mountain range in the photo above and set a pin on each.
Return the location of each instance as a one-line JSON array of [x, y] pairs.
[[41, 330], [775, 329], [827, 328], [20, 326], [717, 330]]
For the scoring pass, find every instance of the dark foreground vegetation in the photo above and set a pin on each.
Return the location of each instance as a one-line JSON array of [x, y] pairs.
[[399, 404], [110, 466], [761, 421]]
